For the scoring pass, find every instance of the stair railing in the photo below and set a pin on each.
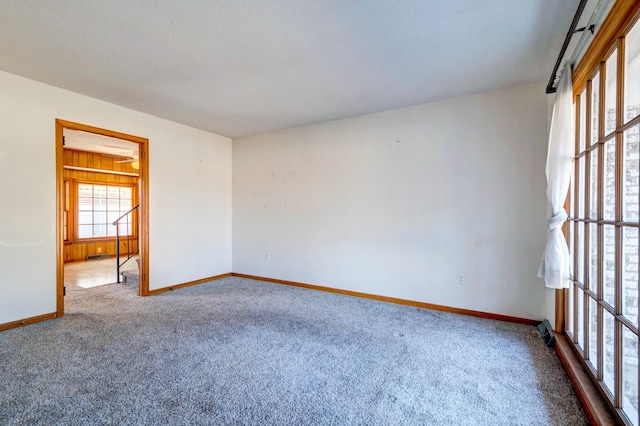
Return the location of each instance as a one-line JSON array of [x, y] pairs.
[[131, 225]]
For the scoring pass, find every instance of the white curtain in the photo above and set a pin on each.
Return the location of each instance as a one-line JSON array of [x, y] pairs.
[[555, 268]]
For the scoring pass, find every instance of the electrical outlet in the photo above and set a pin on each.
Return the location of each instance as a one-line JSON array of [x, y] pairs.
[[460, 279], [267, 256], [99, 249]]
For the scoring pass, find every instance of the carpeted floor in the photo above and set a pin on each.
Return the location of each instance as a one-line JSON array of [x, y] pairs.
[[243, 352]]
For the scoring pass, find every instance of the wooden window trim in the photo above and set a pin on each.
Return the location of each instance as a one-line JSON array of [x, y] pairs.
[[621, 18], [76, 210], [610, 37]]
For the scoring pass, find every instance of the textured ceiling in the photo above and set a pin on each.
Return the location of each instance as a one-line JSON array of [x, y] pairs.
[[243, 67], [92, 142]]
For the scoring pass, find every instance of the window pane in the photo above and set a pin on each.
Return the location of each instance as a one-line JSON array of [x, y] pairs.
[[630, 180], [100, 230], [609, 264], [593, 333], [610, 94], [593, 257], [125, 206], [111, 230], [580, 318], [569, 309], [125, 229], [113, 204], [572, 191], [595, 88], [609, 198], [100, 217], [85, 204], [608, 339], [99, 203], [630, 274], [572, 248], [85, 218], [581, 186], [113, 192], [85, 231], [632, 73], [85, 190], [126, 192], [583, 120], [112, 216], [593, 185], [99, 191], [630, 374], [580, 251]]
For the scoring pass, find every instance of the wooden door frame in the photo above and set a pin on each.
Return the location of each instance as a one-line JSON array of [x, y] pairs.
[[143, 289]]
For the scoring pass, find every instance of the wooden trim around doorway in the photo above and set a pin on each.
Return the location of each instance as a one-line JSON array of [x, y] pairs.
[[143, 289]]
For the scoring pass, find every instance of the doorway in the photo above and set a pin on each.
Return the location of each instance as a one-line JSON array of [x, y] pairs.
[[129, 175]]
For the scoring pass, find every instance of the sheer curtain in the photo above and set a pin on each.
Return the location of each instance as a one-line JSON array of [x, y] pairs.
[[555, 268]]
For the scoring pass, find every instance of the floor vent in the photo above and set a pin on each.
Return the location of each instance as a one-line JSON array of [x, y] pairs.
[[98, 256], [547, 333]]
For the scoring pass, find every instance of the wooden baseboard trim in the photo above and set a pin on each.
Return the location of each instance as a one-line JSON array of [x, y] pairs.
[[27, 321], [594, 405], [434, 307], [187, 284], [460, 311]]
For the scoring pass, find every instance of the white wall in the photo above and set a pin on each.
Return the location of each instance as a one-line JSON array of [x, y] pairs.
[[399, 203], [189, 193], [396, 203]]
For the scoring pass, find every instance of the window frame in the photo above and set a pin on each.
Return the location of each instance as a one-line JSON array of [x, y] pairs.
[[611, 38], [76, 213]]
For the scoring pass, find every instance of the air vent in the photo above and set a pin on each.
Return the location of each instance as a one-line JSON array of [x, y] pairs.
[[547, 333], [98, 256]]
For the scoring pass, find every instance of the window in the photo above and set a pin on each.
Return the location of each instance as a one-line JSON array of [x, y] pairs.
[[99, 206], [603, 229], [65, 211]]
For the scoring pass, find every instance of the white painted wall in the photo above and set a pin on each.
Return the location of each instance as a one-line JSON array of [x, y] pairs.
[[189, 199], [398, 203]]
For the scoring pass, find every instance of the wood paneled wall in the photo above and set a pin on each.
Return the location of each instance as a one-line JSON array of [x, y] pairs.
[[75, 249], [97, 161], [79, 250]]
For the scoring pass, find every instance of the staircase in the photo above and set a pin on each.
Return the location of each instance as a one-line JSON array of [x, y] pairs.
[[131, 276]]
